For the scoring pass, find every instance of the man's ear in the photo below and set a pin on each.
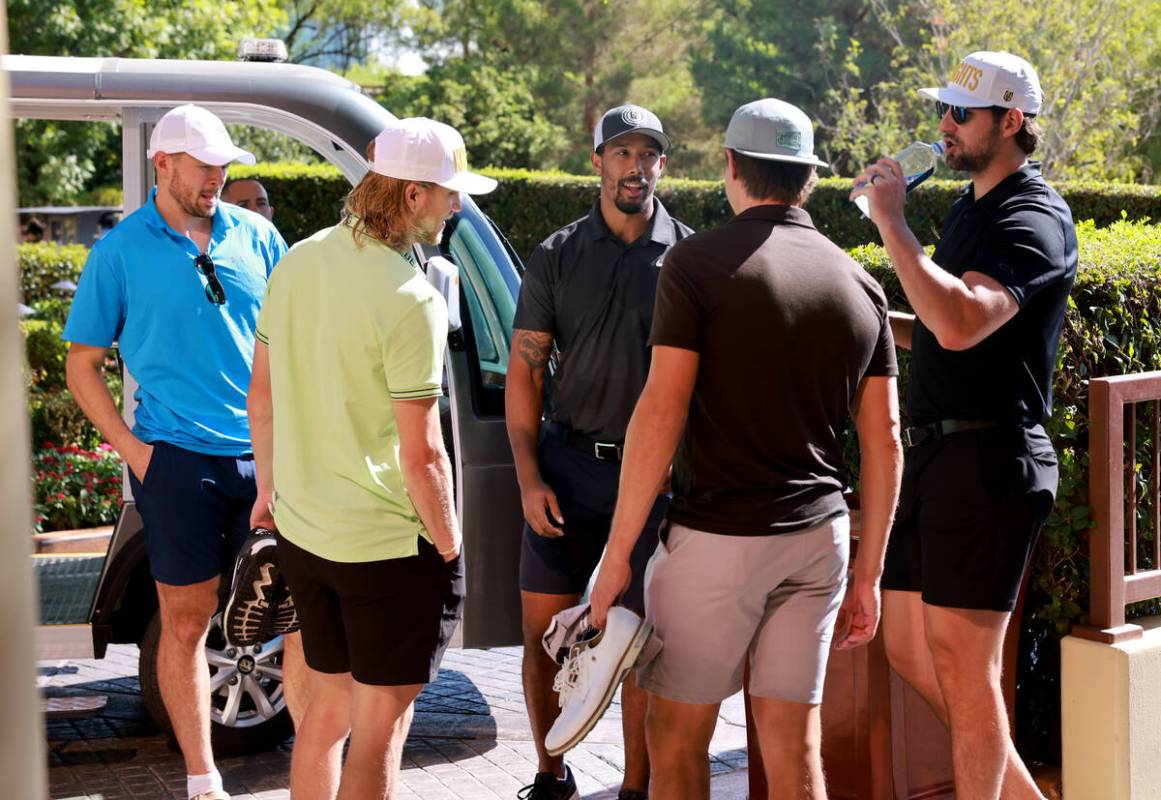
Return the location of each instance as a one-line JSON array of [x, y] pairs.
[[662, 160], [731, 170], [1013, 121], [596, 160], [412, 195]]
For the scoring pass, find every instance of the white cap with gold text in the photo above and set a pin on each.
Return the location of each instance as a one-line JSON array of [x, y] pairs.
[[986, 79], [421, 149]]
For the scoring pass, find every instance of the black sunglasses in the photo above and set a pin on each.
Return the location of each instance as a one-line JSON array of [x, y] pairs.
[[961, 114], [215, 292]]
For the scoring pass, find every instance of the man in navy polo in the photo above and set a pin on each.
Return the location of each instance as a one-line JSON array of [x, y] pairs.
[[177, 286]]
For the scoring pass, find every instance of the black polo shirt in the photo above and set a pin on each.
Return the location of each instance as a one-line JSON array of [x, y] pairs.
[[594, 294], [1021, 234]]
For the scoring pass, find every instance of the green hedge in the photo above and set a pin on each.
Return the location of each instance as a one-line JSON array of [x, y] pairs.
[[306, 197], [42, 265], [528, 206]]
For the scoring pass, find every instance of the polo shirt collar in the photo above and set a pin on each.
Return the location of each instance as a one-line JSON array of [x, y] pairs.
[[660, 225], [778, 214], [1006, 188], [223, 223]]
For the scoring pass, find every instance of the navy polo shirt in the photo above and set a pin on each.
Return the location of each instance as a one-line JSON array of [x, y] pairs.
[[1021, 234], [190, 357], [594, 293]]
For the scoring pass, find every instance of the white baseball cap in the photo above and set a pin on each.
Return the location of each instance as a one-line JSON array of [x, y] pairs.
[[421, 149], [986, 78], [194, 130]]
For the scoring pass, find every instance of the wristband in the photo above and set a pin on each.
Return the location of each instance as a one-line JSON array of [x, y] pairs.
[[449, 551]]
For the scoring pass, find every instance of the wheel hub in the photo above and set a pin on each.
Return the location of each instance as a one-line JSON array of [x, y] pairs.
[[246, 664]]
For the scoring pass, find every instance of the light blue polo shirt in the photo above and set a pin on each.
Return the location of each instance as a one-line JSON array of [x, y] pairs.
[[190, 358]]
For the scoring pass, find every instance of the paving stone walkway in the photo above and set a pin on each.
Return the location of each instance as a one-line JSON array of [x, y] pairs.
[[470, 740]]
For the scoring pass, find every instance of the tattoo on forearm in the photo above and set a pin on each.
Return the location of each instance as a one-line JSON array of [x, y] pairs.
[[535, 347]]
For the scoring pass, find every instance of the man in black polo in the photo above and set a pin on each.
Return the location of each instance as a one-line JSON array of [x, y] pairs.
[[981, 474], [588, 292]]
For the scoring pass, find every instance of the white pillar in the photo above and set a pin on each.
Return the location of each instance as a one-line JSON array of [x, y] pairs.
[[22, 756], [1111, 717]]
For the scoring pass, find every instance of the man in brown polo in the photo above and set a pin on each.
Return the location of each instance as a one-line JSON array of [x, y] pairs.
[[766, 339]]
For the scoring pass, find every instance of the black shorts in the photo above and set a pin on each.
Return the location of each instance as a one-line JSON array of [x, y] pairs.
[[971, 507], [586, 489], [385, 622]]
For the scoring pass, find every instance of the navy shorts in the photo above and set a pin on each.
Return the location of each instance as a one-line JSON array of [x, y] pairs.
[[586, 489], [970, 511], [196, 510]]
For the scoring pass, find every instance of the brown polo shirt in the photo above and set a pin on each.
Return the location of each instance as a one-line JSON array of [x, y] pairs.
[[786, 325]]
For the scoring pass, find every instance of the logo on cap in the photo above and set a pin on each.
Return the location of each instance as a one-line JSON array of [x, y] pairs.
[[633, 115], [790, 139], [967, 76], [1008, 95]]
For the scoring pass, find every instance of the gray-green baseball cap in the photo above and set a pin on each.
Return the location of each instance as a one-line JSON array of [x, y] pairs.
[[773, 130]]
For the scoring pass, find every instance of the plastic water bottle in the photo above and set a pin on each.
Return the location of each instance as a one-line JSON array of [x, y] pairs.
[[918, 161]]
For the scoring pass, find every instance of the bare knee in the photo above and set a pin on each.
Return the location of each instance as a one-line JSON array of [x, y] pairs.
[[186, 627], [904, 659], [678, 732]]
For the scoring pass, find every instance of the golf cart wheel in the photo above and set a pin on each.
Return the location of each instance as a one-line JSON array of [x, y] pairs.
[[248, 712]]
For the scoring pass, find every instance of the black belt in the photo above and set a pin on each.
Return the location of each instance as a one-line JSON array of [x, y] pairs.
[[934, 431], [602, 451]]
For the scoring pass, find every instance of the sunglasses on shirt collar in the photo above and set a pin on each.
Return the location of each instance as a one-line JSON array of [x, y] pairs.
[[215, 292]]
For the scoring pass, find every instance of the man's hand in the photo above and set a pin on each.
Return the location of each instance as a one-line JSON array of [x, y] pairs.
[[138, 457], [858, 618], [886, 189], [451, 552], [262, 514], [541, 510], [612, 581]]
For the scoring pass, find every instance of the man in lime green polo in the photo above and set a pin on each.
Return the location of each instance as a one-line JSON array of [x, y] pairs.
[[350, 457]]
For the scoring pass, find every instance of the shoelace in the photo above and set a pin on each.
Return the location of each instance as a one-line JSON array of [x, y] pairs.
[[572, 675]]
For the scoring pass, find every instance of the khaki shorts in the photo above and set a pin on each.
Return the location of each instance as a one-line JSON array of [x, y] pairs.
[[714, 600]]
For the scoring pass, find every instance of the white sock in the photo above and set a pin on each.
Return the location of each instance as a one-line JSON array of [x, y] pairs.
[[200, 784]]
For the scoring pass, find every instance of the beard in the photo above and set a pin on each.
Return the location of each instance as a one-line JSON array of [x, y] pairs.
[[187, 199], [974, 161], [628, 207], [634, 206]]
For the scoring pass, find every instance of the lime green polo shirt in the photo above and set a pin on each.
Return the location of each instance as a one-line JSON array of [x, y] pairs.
[[351, 329]]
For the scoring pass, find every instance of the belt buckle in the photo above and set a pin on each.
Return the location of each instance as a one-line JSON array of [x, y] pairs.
[[918, 434], [607, 451]]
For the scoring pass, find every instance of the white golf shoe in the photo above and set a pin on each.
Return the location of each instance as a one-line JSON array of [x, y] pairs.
[[591, 674]]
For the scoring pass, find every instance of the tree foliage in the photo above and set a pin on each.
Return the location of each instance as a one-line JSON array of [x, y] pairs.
[[57, 160], [854, 65]]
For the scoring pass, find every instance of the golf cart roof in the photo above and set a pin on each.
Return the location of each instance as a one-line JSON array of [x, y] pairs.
[[328, 112]]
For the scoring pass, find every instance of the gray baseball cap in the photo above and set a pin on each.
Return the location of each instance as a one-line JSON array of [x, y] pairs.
[[628, 119], [773, 130]]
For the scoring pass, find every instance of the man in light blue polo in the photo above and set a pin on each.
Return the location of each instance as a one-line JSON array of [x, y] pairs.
[[177, 286]]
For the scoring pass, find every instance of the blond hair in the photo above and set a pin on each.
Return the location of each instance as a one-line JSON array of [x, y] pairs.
[[377, 209]]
